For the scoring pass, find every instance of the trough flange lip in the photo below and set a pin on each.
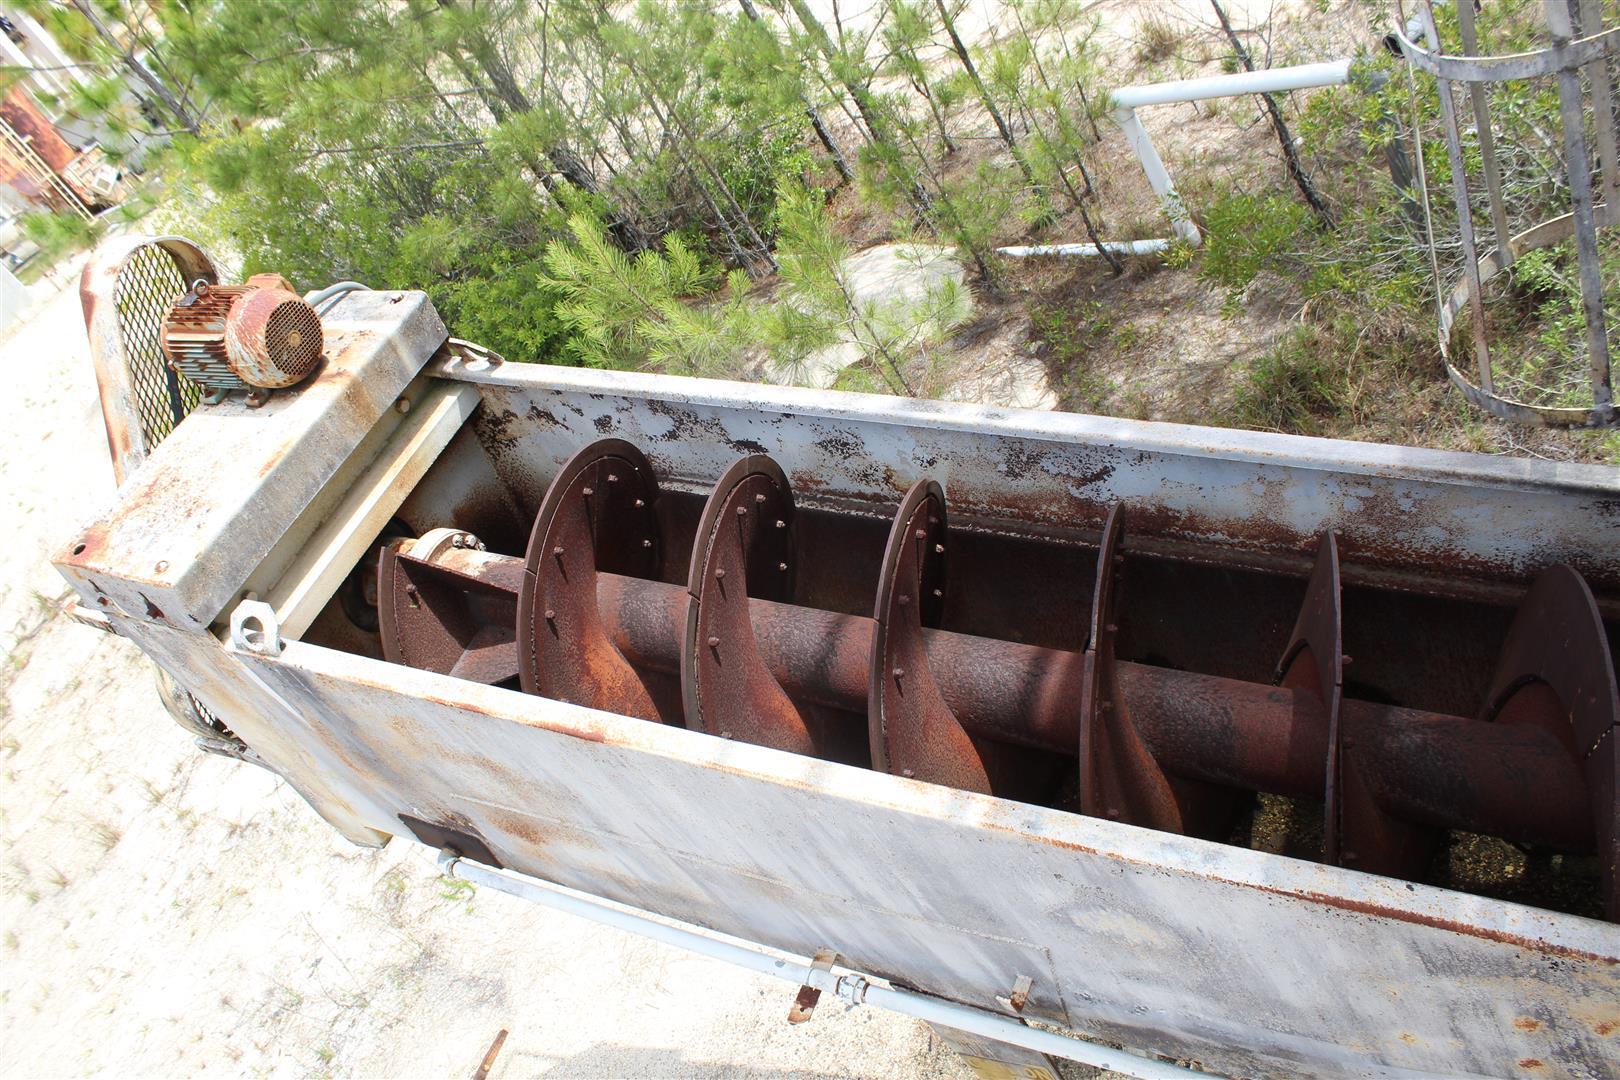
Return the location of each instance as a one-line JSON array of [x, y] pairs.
[[1149, 436]]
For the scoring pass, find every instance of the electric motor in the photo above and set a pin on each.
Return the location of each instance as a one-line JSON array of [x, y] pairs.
[[257, 336]]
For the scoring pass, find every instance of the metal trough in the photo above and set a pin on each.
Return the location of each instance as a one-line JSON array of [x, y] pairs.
[[1174, 738]]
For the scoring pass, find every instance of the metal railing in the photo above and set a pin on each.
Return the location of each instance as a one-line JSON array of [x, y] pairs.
[[1572, 53]]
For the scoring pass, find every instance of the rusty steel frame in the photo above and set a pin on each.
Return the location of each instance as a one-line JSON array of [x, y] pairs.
[[1568, 56], [1239, 961], [248, 485], [1404, 517]]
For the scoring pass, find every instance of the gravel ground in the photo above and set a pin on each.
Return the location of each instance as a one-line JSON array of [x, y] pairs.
[[166, 912]]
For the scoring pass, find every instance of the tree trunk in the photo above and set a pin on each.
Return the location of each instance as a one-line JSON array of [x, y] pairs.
[[1296, 170], [1078, 198], [503, 95], [170, 99], [984, 93], [948, 209], [871, 114], [863, 100], [503, 85], [758, 253], [822, 134], [827, 143]]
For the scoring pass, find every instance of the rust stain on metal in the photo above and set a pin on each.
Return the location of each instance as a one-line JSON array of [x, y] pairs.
[[1104, 642], [1456, 926]]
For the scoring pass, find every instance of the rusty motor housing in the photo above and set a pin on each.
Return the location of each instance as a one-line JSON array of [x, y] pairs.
[[257, 336]]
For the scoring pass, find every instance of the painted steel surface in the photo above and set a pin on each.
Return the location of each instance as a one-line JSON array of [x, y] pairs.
[[1246, 963]]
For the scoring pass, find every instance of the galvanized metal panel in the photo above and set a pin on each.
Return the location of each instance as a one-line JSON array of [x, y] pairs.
[[1403, 515], [217, 495], [286, 740], [1248, 963]]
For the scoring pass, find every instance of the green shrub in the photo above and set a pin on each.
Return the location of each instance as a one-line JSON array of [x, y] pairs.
[[59, 234], [1247, 233]]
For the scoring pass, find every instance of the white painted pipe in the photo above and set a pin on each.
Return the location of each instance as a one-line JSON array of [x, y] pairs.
[[1130, 98], [1158, 176], [1266, 81], [1118, 247], [850, 986]]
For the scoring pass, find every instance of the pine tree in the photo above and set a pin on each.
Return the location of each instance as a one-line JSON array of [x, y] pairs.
[[908, 29], [628, 311], [125, 51], [769, 53]]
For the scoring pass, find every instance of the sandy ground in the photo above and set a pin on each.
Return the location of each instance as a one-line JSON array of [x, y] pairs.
[[164, 912]]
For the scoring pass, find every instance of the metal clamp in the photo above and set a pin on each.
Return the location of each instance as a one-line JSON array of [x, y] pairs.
[[804, 1003], [255, 628], [1015, 1001]]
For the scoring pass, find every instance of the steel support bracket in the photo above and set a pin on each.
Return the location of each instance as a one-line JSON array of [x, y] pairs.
[[804, 1002]]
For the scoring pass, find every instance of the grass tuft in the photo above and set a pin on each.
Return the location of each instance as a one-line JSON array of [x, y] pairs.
[[1157, 38], [106, 834]]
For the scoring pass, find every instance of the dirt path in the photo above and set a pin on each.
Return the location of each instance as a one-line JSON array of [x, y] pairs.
[[165, 912]]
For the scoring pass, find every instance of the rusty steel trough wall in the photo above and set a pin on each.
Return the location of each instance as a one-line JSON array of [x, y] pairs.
[[1246, 963], [1422, 519]]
